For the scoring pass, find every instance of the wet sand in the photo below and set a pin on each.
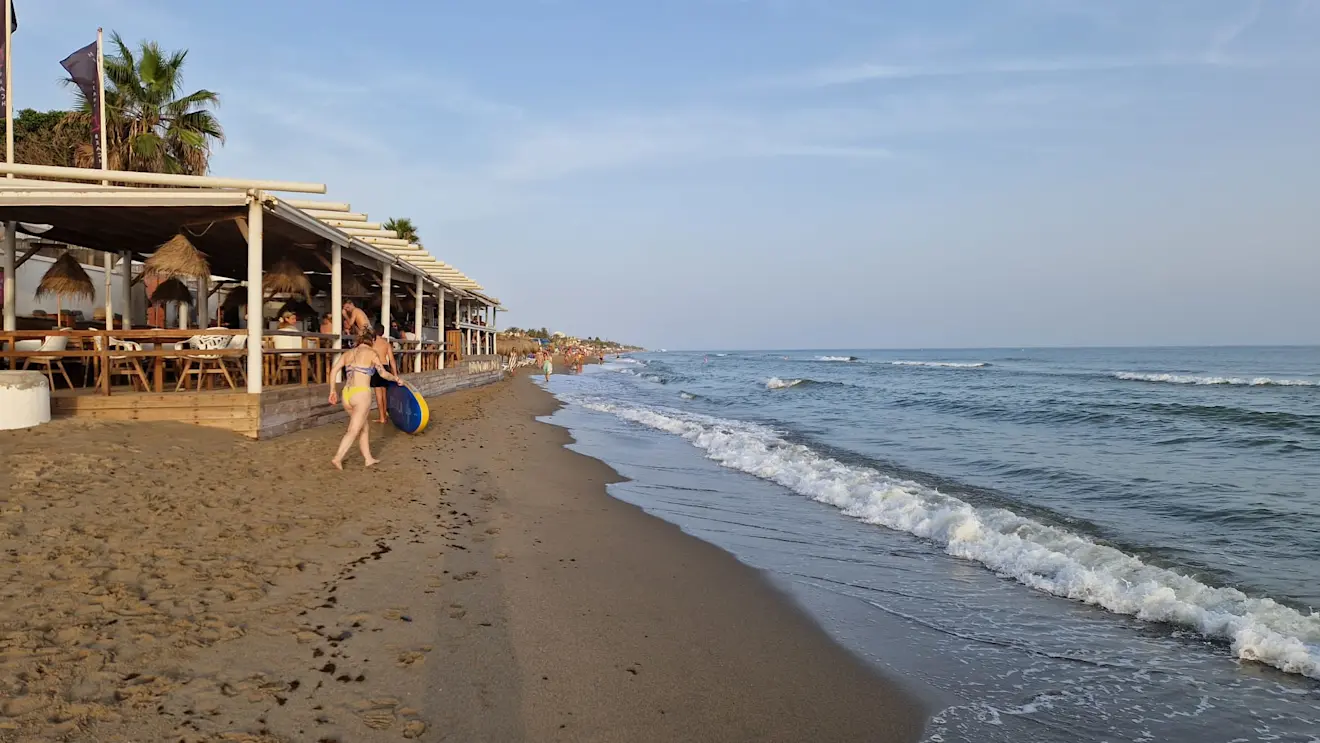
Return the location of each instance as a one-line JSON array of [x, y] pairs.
[[167, 582]]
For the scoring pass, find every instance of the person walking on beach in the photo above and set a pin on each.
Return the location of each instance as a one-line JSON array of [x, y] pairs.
[[547, 363], [361, 364], [386, 355]]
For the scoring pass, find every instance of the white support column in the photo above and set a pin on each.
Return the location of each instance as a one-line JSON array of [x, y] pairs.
[[441, 322], [126, 288], [183, 310], [204, 302], [255, 320], [11, 280], [418, 296], [494, 331], [337, 292], [109, 264], [386, 293]]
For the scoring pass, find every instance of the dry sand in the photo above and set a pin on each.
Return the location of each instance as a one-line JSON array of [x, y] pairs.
[[167, 582]]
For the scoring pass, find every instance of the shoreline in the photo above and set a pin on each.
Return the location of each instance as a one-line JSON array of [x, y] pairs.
[[174, 583]]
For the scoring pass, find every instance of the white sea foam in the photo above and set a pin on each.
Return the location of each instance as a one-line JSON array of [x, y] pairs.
[[1193, 379], [836, 358], [775, 383], [943, 364], [1043, 557], [687, 395]]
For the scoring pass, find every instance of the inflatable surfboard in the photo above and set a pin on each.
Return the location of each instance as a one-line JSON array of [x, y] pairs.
[[407, 409]]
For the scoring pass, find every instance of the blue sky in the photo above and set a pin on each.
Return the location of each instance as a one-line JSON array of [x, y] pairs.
[[791, 173]]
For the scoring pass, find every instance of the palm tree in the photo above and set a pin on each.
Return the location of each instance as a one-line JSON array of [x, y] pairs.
[[150, 125], [404, 227]]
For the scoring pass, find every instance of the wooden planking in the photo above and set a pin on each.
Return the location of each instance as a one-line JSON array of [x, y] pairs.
[[237, 412]]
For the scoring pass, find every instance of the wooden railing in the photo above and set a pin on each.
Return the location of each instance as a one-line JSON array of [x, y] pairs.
[[148, 359]]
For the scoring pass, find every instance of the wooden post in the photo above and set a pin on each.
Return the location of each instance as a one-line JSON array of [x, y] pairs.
[[204, 302], [386, 293], [11, 277], [109, 264], [337, 292], [256, 218], [105, 364], [441, 322], [126, 288], [418, 297]]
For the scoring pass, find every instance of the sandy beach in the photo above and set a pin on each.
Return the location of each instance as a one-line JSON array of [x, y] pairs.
[[167, 582]]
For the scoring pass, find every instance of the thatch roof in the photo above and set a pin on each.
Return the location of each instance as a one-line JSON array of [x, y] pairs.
[[172, 290], [286, 278], [66, 279], [177, 257], [352, 286], [299, 308], [236, 298], [509, 344]]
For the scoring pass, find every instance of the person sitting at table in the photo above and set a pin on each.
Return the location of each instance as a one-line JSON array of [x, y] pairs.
[[327, 324], [288, 321]]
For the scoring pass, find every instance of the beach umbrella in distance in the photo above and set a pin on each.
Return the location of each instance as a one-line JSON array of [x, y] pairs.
[[65, 279], [173, 290], [286, 278], [177, 257], [351, 286]]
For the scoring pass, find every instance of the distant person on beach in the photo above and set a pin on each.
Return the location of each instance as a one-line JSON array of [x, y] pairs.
[[547, 364], [327, 324], [381, 345], [355, 320], [361, 365]]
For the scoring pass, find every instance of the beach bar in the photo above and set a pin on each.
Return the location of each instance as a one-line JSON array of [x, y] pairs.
[[231, 256]]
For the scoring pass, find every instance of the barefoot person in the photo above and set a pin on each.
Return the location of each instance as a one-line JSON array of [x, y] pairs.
[[385, 353], [360, 365]]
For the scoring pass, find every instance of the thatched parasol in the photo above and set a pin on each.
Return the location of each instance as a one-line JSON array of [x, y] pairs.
[[351, 286], [177, 257], [236, 298], [286, 278], [171, 290], [65, 278], [300, 308]]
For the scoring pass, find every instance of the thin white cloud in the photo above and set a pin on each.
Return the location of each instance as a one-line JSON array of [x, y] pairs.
[[873, 72]]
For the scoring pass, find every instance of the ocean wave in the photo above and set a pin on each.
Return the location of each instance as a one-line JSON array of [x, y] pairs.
[[687, 395], [1208, 380], [943, 364], [775, 383], [837, 358], [1046, 558]]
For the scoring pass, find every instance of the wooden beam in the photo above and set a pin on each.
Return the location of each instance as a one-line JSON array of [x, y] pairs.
[[24, 258]]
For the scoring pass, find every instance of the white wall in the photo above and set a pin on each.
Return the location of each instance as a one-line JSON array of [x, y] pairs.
[[29, 276]]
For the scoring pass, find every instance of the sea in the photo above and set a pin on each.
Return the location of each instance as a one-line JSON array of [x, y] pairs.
[[1041, 544]]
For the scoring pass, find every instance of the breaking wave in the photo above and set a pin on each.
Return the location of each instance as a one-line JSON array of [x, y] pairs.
[[1205, 380], [775, 383], [943, 364], [1043, 557], [837, 358]]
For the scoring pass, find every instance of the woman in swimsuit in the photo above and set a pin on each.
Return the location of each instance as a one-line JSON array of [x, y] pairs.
[[360, 365]]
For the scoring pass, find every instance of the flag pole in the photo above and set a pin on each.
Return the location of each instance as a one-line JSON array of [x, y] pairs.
[[100, 101], [9, 83]]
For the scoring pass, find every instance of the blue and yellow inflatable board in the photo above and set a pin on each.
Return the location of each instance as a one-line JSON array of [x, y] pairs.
[[408, 411]]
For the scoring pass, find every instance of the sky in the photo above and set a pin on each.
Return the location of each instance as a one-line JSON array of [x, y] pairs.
[[790, 173]]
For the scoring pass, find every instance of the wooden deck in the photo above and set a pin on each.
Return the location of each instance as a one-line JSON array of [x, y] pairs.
[[233, 411], [275, 412]]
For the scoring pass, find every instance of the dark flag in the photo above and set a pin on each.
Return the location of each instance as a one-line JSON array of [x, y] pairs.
[[84, 72]]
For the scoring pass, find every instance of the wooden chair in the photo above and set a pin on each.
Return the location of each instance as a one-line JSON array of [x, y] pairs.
[[204, 365], [287, 364], [124, 365], [52, 344]]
